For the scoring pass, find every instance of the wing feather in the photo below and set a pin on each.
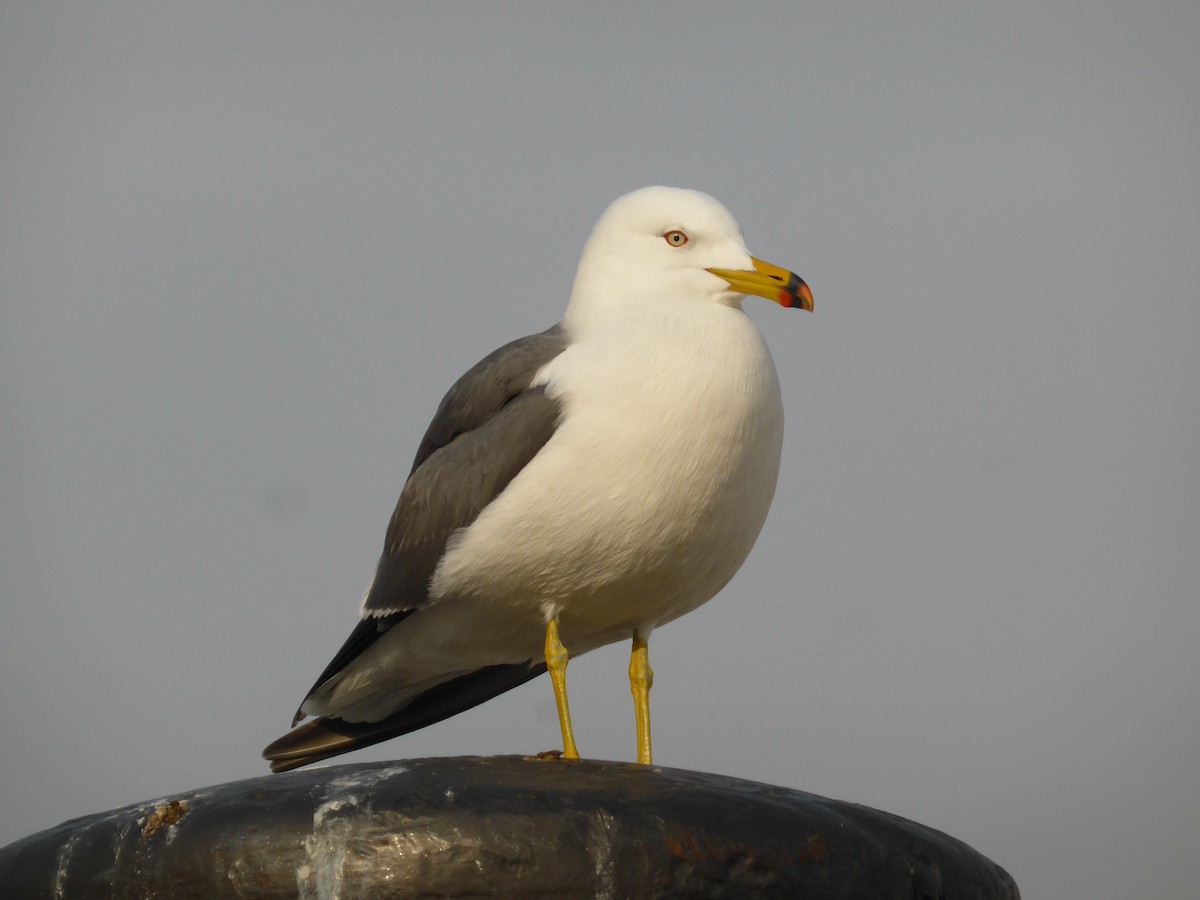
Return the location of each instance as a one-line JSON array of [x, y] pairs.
[[488, 427]]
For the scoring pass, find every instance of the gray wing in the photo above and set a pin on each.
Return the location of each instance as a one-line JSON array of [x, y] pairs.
[[490, 424]]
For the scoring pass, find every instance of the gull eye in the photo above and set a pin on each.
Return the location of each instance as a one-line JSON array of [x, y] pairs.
[[675, 238]]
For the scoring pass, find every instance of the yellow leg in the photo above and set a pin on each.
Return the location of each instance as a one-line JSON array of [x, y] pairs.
[[641, 679], [556, 662]]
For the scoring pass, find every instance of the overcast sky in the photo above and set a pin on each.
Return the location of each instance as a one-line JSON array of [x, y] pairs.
[[245, 248]]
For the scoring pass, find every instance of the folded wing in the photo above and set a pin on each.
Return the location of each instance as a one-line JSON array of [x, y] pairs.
[[488, 427]]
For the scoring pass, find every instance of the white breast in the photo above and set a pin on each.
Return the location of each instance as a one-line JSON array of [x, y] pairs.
[[648, 497]]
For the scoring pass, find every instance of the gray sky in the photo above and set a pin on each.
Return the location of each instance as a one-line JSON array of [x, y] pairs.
[[245, 249]]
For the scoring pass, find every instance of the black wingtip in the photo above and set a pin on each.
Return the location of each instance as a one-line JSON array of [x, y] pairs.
[[325, 737]]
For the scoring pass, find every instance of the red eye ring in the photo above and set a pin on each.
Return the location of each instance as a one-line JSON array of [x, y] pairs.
[[675, 238]]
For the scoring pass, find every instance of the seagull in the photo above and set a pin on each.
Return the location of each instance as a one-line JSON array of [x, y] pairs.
[[576, 487]]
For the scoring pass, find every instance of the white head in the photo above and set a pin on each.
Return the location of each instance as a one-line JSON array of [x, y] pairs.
[[662, 245]]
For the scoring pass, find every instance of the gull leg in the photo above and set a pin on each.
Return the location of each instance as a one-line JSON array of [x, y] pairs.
[[641, 679], [556, 662]]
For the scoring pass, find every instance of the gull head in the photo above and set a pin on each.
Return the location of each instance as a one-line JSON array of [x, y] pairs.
[[673, 245]]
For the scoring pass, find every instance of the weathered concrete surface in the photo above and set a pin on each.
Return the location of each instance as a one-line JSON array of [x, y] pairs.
[[498, 826]]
